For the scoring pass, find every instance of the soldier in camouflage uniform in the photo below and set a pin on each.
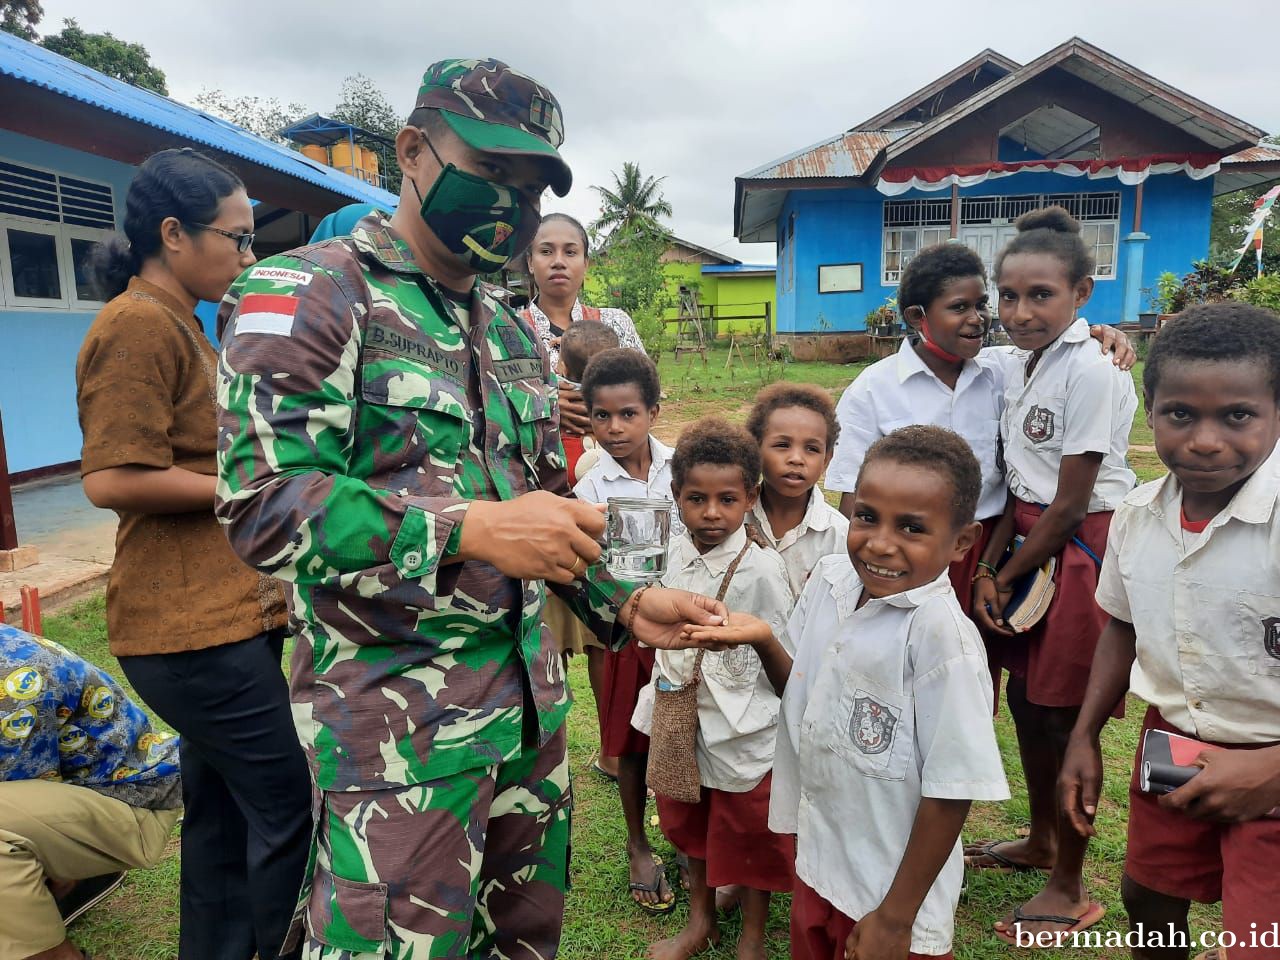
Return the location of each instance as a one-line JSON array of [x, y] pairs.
[[389, 446]]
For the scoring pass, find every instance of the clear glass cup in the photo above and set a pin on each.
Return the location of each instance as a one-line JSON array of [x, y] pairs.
[[637, 532]]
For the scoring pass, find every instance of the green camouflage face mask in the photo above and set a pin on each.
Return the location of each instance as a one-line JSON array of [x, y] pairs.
[[484, 223]]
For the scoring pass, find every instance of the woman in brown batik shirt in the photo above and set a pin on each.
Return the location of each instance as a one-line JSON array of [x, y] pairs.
[[198, 634]]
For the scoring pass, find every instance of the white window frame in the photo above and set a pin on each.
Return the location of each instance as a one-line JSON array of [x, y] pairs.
[[44, 228], [926, 235], [70, 233], [63, 234]]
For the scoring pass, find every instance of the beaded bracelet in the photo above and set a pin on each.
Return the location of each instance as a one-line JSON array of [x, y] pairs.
[[982, 573], [635, 608], [983, 565]]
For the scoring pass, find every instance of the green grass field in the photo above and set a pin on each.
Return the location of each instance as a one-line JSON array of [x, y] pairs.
[[601, 923]]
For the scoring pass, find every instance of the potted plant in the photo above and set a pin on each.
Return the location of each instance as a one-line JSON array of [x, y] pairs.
[[883, 320], [1147, 319], [1168, 294]]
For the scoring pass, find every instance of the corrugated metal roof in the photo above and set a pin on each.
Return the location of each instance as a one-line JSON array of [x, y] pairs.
[[33, 64], [846, 155], [738, 268], [1262, 153]]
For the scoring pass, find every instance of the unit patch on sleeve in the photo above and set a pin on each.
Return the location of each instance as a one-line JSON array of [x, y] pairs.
[[269, 313]]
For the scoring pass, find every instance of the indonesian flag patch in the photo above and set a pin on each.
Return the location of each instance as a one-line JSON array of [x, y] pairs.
[[269, 313]]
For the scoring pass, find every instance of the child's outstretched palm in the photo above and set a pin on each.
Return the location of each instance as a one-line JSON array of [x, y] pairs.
[[741, 629]]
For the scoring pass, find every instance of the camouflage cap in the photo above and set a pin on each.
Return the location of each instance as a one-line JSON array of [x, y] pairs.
[[498, 110]]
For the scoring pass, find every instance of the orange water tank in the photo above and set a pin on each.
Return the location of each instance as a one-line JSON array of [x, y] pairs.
[[370, 164], [316, 152], [346, 157]]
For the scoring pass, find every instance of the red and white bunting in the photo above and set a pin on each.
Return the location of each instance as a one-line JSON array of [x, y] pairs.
[[1128, 170]]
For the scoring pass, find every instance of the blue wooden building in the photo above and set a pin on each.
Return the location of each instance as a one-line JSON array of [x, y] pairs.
[[1135, 160], [70, 141]]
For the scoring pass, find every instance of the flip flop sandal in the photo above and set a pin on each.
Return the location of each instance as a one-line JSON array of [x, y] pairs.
[[1002, 863], [602, 772], [682, 864], [659, 874], [1092, 914]]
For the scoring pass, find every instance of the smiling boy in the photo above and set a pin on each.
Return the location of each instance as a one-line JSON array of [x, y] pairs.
[[885, 735]]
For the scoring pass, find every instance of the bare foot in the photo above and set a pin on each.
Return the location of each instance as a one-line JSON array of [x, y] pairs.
[[751, 948], [695, 938], [646, 871], [682, 865], [1020, 854], [1050, 902], [728, 899]]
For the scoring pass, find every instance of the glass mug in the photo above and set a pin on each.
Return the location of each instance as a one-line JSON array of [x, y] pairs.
[[637, 531]]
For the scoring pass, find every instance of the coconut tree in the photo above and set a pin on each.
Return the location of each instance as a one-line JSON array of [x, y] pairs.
[[633, 205]]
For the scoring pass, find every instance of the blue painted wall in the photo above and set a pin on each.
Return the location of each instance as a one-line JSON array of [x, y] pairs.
[[38, 348], [846, 226]]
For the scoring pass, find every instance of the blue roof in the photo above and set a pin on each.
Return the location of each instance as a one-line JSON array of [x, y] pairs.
[[34, 64], [739, 268]]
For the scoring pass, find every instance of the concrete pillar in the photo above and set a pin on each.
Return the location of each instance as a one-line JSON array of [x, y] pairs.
[[1134, 244]]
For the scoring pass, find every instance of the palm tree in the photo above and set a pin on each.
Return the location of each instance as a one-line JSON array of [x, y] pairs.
[[634, 204]]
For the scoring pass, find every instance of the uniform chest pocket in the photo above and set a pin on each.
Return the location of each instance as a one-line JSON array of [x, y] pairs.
[[412, 427], [1259, 629], [530, 399], [734, 669], [1040, 422], [874, 728]]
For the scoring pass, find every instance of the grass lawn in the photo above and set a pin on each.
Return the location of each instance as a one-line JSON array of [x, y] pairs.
[[141, 922]]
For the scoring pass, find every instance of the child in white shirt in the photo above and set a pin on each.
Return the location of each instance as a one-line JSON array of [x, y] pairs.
[[621, 391], [885, 735], [726, 834], [1191, 581], [795, 426]]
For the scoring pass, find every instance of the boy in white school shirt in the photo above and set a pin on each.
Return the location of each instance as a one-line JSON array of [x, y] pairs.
[[621, 391], [885, 735], [1191, 581], [726, 834]]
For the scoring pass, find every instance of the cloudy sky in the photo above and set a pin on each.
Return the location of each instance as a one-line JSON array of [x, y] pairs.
[[697, 91]]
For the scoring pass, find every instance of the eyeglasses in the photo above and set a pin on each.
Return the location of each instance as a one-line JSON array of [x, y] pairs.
[[243, 240]]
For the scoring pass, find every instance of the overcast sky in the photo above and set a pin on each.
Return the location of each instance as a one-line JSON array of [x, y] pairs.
[[698, 91]]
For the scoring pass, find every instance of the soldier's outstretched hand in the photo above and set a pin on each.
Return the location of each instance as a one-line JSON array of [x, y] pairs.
[[665, 616], [538, 536]]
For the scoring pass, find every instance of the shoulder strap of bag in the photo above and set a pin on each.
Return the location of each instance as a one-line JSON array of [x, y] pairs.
[[720, 595]]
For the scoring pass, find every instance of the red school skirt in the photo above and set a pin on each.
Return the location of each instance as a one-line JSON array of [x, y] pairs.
[[625, 674], [819, 930], [1055, 655]]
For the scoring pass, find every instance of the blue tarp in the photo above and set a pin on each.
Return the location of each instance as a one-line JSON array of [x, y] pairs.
[[35, 65]]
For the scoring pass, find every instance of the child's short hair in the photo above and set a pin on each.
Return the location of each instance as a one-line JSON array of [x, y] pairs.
[[779, 396], [940, 450], [932, 269], [611, 368], [1054, 231], [582, 341], [719, 443], [1231, 331]]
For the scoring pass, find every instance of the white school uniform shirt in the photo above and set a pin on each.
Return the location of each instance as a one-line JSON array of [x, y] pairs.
[[901, 390], [608, 478], [737, 705], [822, 531], [1077, 401], [1205, 607], [886, 704]]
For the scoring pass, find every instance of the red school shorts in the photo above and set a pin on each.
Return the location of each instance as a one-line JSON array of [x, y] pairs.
[[1200, 860], [626, 671], [819, 930], [730, 831]]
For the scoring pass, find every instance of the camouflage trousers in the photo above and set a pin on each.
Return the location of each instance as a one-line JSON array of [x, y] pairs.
[[470, 865]]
